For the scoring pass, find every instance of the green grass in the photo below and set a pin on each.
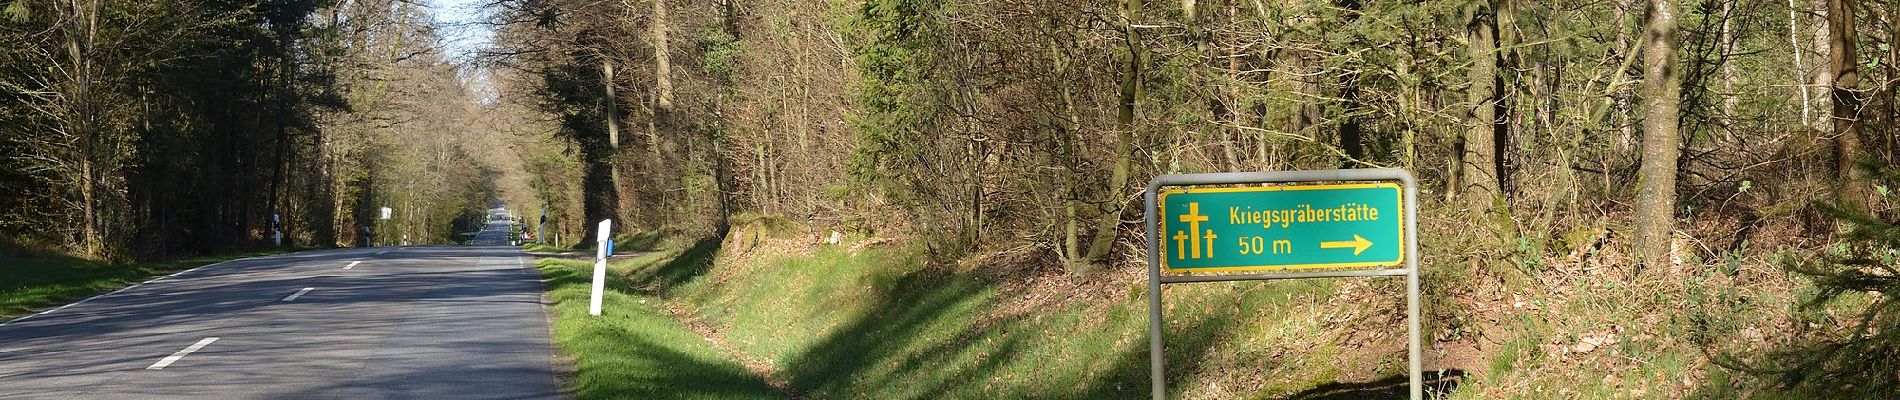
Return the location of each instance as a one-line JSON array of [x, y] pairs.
[[625, 243], [634, 349], [882, 323], [31, 283], [545, 248]]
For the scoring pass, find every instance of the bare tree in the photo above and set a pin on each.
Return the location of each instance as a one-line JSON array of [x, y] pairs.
[[1662, 90], [1843, 63], [1477, 159]]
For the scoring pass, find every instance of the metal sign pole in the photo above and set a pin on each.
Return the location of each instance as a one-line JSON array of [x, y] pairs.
[[1156, 365], [1411, 286], [1157, 362]]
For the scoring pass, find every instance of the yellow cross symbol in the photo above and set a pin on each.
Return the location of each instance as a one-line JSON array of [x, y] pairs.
[[1194, 219]]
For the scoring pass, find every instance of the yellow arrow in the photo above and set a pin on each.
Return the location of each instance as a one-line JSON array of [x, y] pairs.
[[1357, 244]]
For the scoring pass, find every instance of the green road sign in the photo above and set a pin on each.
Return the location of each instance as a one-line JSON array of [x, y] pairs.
[[1282, 227]]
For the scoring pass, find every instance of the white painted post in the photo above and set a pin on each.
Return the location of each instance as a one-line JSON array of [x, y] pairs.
[[600, 265]]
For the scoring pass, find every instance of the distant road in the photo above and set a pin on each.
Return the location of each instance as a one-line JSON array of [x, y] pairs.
[[431, 322]]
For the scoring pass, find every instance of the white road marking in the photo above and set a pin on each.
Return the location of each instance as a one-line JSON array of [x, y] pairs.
[[382, 252], [352, 264], [23, 318], [299, 293], [161, 364]]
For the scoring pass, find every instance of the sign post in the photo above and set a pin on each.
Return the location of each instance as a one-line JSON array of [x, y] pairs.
[[1359, 223], [604, 243]]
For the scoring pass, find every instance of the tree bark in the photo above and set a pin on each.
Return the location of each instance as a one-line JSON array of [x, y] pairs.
[[609, 104], [1729, 74], [1656, 199], [1110, 217], [1823, 75], [1846, 113], [662, 61], [662, 105], [1807, 101], [1349, 132], [1478, 155]]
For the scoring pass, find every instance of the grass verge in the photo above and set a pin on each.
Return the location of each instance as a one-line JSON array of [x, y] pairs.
[[35, 282], [634, 349], [879, 321]]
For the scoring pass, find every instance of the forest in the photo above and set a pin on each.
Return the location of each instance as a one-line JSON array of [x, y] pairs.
[[1726, 161]]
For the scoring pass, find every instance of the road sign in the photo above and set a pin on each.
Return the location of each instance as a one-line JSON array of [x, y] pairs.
[[1300, 226], [387, 212], [1282, 227]]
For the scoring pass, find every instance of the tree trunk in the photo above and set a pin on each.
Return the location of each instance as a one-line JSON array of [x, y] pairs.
[[1656, 200], [662, 63], [1729, 74], [1506, 80], [1478, 154], [722, 224], [81, 41], [1846, 115], [281, 96], [609, 104], [1349, 132], [1823, 75], [1801, 68], [1110, 217]]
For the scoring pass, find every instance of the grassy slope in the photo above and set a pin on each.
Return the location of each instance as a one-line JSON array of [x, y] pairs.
[[29, 283], [832, 322], [634, 350], [879, 323]]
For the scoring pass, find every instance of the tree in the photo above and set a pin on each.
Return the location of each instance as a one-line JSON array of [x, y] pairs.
[[1478, 157], [1110, 215], [1844, 65], [1656, 199]]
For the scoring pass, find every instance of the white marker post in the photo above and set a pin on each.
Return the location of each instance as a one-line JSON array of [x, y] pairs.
[[600, 265]]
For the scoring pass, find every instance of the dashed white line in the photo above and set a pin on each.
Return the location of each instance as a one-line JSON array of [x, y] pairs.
[[299, 293], [382, 252], [161, 364], [352, 264]]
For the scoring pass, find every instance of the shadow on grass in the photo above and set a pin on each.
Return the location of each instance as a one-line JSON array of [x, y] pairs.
[[1810, 367], [903, 347], [918, 300], [918, 339], [650, 369], [636, 351], [1437, 384], [1130, 378], [643, 241], [677, 270]]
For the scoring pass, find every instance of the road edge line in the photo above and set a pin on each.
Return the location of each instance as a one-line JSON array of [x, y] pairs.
[[94, 297]]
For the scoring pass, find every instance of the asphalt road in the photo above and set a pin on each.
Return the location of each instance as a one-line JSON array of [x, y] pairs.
[[426, 322]]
